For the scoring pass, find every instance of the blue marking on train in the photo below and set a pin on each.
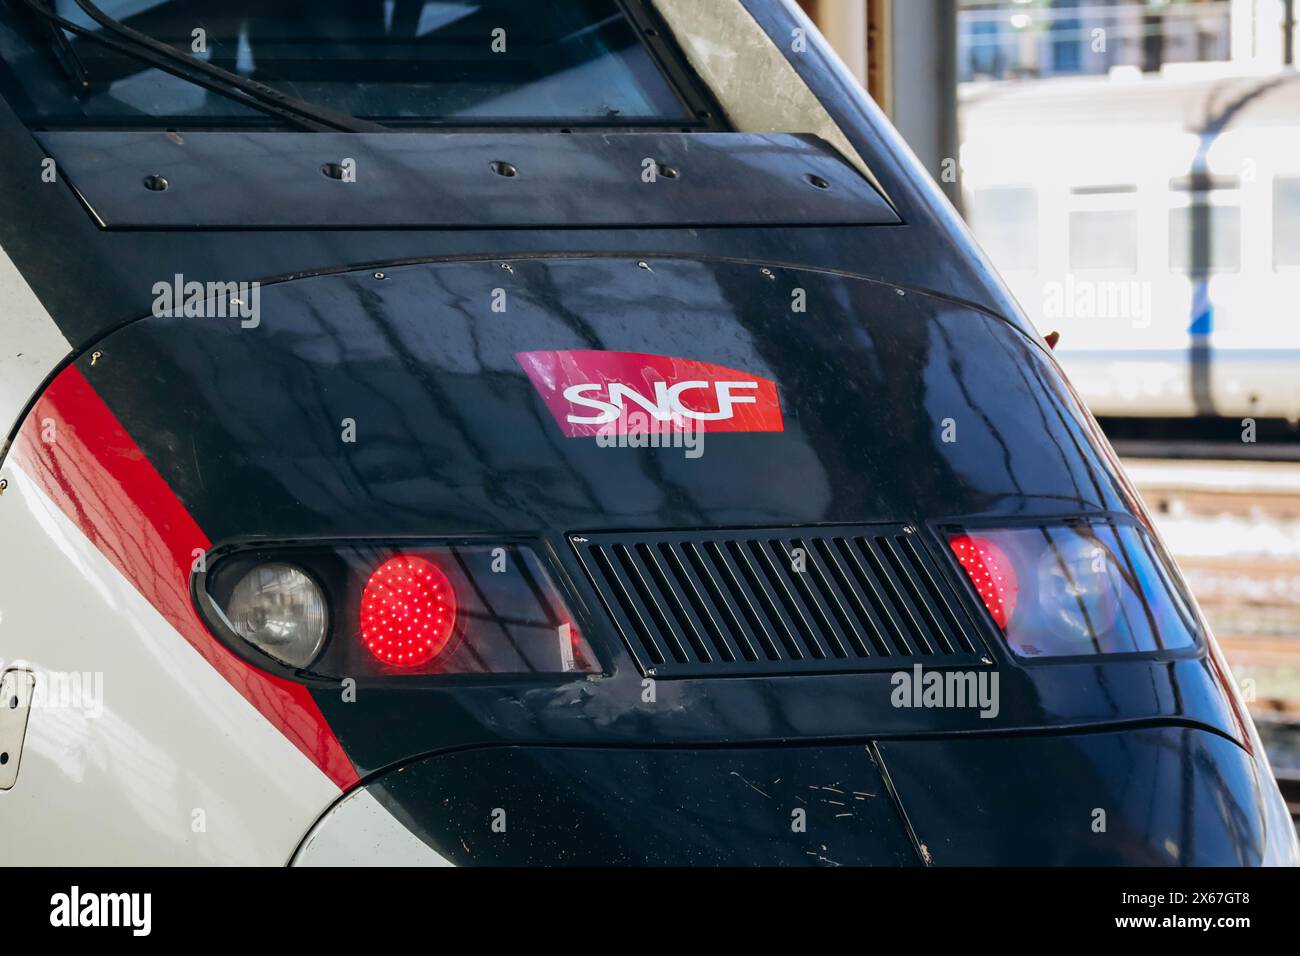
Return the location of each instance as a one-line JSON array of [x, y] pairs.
[[1202, 311]]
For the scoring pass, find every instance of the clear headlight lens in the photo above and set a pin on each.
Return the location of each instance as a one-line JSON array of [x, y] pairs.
[[280, 610]]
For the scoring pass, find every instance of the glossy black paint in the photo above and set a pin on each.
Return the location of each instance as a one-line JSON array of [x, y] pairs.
[[1167, 796], [453, 440], [515, 806], [448, 180]]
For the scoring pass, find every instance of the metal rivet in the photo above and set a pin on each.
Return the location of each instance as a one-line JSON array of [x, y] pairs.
[[813, 179], [333, 170], [508, 267], [769, 273], [380, 275], [155, 183], [667, 172], [644, 265], [502, 168]]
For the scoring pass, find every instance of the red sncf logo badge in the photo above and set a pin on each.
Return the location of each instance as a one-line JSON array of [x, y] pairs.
[[594, 393]]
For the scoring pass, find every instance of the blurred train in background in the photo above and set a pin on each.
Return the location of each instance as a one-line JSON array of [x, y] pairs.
[[1154, 221]]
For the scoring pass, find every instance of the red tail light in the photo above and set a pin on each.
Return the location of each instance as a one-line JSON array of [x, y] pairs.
[[991, 572], [1079, 587], [408, 611]]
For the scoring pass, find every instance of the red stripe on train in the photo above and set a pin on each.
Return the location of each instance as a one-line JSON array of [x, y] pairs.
[[104, 483]]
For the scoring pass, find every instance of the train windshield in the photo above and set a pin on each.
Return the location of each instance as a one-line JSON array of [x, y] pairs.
[[549, 63]]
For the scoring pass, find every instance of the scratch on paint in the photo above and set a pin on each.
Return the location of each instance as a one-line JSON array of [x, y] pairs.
[[822, 859], [750, 785], [197, 467]]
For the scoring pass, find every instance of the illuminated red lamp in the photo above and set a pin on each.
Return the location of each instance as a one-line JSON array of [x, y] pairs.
[[992, 573], [408, 611]]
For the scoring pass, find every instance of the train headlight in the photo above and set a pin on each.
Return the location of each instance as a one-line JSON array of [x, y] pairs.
[[1076, 589], [280, 610]]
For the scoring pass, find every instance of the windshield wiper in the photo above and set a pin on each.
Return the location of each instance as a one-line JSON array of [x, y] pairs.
[[139, 46], [63, 52]]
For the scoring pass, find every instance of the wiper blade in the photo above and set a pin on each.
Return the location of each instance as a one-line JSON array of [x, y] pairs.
[[65, 54], [132, 43]]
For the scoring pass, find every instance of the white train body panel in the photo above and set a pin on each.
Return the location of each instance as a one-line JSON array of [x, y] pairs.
[[179, 766]]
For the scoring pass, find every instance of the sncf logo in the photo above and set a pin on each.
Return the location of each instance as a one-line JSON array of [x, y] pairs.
[[594, 393]]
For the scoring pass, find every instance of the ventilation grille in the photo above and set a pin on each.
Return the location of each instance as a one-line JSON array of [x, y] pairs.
[[779, 602]]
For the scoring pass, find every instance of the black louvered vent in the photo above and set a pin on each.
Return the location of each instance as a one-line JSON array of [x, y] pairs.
[[775, 602]]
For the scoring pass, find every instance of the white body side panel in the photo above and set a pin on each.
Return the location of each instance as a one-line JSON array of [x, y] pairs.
[[360, 832], [31, 345], [148, 756]]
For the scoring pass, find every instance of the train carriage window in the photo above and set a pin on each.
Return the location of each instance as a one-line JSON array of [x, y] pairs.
[[1204, 238], [1286, 223], [546, 63], [1005, 220], [1104, 239]]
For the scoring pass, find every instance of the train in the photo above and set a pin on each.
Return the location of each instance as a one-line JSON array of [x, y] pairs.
[[1153, 221], [518, 434]]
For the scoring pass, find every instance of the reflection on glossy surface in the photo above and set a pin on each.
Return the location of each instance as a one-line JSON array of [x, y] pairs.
[[452, 436], [1167, 796], [792, 806], [453, 439]]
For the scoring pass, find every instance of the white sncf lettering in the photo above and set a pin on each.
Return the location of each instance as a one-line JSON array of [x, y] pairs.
[[666, 405]]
